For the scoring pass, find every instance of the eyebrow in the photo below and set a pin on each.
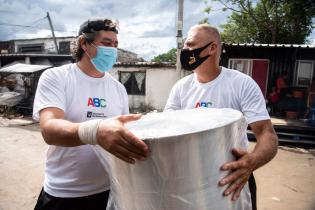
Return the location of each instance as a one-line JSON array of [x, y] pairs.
[[106, 39]]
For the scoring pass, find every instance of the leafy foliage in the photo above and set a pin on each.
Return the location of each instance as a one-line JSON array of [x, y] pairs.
[[169, 56], [268, 21]]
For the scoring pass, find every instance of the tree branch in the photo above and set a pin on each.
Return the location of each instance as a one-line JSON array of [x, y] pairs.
[[230, 8], [269, 24]]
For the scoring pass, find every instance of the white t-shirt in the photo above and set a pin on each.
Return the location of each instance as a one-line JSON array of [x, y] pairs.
[[231, 89], [77, 171]]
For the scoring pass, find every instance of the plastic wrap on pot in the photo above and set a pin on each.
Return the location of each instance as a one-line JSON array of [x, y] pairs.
[[182, 173]]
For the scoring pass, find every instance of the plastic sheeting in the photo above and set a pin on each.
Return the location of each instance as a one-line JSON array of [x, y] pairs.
[[10, 99], [182, 173], [16, 82]]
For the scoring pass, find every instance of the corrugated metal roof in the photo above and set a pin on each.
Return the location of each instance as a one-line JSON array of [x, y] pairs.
[[41, 38], [144, 64], [23, 68], [34, 55], [272, 45]]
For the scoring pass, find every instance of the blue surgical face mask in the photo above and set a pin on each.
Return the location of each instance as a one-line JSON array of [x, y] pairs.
[[105, 58]]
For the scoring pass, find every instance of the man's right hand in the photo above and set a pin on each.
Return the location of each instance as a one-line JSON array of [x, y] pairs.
[[114, 137]]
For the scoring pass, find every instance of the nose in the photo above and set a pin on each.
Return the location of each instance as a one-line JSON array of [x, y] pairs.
[[186, 46]]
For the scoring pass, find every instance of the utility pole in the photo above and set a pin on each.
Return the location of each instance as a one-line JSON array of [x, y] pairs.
[[52, 32], [179, 35]]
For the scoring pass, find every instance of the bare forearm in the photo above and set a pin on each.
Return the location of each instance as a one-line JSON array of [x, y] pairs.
[[246, 163], [109, 134], [61, 133], [265, 149]]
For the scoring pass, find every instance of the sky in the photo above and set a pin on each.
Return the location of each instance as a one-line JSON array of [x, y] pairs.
[[147, 27]]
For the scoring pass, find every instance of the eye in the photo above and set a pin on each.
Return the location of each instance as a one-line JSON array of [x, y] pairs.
[[189, 44], [106, 44]]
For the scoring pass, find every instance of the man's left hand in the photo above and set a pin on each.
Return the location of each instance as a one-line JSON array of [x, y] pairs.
[[241, 170]]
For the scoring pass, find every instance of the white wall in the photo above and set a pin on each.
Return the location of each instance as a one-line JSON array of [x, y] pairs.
[[159, 81], [49, 45]]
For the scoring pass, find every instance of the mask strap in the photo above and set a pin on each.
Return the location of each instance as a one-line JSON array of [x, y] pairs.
[[88, 53], [93, 45], [202, 48]]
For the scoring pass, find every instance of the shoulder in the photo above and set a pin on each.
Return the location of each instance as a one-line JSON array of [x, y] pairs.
[[235, 74], [57, 72], [238, 78], [187, 80], [57, 76]]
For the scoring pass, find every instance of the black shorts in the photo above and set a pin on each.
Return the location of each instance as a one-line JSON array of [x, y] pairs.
[[91, 202], [252, 189]]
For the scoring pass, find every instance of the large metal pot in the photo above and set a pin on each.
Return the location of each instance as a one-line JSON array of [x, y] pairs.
[[187, 149]]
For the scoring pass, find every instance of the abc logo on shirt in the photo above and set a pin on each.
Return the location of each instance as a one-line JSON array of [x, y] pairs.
[[97, 102], [203, 104]]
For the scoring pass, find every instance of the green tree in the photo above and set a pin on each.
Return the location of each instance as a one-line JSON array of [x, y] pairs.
[[169, 56], [268, 21], [207, 10]]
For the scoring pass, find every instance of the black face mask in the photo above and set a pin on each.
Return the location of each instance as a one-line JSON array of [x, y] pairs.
[[190, 59]]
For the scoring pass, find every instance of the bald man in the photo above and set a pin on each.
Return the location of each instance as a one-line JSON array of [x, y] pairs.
[[214, 86]]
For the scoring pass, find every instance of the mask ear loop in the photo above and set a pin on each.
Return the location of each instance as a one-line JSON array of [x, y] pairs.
[[88, 53], [94, 45], [201, 49], [86, 36]]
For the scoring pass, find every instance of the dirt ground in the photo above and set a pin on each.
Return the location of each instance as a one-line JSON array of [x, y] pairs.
[[286, 183]]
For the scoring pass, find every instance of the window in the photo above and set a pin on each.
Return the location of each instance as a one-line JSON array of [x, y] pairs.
[[134, 82], [64, 47], [304, 73], [242, 65], [31, 48]]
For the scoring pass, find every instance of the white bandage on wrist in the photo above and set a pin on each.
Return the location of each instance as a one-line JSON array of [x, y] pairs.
[[87, 131]]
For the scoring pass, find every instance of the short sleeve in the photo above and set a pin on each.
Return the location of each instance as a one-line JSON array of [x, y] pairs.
[[173, 101], [50, 92], [253, 104]]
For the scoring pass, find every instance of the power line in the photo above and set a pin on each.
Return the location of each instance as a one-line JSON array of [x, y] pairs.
[[26, 26], [33, 25], [14, 25], [40, 19], [19, 25]]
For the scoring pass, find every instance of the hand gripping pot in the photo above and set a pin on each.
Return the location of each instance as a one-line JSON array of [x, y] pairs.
[[182, 173]]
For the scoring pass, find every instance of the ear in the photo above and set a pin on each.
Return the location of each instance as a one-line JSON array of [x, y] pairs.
[[213, 48], [82, 42]]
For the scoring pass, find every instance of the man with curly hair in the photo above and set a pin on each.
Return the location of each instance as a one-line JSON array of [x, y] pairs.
[[80, 105]]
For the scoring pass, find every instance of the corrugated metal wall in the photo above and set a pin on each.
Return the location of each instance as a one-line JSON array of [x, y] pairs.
[[281, 58]]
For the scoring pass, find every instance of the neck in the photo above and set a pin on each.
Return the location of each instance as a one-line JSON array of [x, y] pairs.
[[87, 67], [207, 72]]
